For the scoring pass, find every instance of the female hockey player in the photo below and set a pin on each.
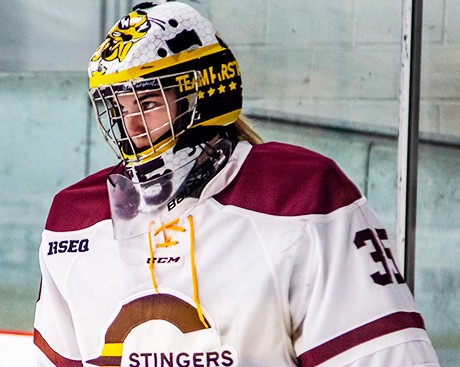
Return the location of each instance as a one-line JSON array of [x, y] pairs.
[[206, 247]]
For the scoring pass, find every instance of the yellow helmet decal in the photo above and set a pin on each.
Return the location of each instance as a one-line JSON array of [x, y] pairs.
[[123, 35], [98, 77]]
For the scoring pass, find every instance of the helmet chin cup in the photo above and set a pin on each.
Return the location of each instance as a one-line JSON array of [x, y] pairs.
[[124, 197]]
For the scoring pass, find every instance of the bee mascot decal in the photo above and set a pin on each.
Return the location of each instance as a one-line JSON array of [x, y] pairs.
[[124, 34]]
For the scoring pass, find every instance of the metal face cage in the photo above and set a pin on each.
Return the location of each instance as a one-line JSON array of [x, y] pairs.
[[142, 118]]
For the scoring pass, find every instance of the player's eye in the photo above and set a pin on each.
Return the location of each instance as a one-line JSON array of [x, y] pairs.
[[123, 110], [149, 105]]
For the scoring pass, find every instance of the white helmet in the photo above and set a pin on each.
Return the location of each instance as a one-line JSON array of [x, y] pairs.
[[171, 51]]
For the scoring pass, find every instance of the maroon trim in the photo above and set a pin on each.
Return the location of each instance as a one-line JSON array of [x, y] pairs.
[[383, 326], [52, 355], [40, 289], [81, 205], [287, 180], [151, 307], [106, 361]]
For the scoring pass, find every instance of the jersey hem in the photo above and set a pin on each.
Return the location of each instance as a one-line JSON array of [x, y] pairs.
[[384, 326]]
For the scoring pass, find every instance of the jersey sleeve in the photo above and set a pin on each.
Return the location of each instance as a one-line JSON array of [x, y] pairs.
[[54, 335], [348, 299], [412, 353], [74, 208]]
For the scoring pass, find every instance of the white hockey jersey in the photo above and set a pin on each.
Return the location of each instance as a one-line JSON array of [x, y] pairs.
[[281, 262]]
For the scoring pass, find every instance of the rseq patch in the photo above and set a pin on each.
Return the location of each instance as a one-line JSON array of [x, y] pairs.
[[64, 246]]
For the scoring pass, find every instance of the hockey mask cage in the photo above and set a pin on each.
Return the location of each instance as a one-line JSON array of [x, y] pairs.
[[142, 118]]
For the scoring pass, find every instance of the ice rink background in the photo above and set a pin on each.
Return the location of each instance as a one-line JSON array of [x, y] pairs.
[[16, 350], [322, 74]]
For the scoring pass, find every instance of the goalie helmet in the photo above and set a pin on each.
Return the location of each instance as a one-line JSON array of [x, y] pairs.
[[159, 48], [163, 85]]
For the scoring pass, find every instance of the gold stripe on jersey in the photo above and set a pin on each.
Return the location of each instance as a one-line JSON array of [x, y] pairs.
[[112, 350]]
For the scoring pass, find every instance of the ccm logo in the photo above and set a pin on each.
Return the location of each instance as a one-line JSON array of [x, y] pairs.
[[61, 247], [165, 260]]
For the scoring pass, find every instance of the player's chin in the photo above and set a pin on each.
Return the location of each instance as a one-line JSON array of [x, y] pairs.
[[143, 149], [142, 145]]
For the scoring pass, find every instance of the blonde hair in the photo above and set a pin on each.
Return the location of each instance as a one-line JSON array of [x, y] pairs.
[[246, 132]]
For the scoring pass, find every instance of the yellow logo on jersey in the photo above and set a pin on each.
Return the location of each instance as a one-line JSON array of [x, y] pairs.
[[134, 339]]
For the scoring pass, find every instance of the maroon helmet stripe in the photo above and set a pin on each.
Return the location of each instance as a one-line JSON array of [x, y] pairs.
[[52, 355], [383, 326]]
